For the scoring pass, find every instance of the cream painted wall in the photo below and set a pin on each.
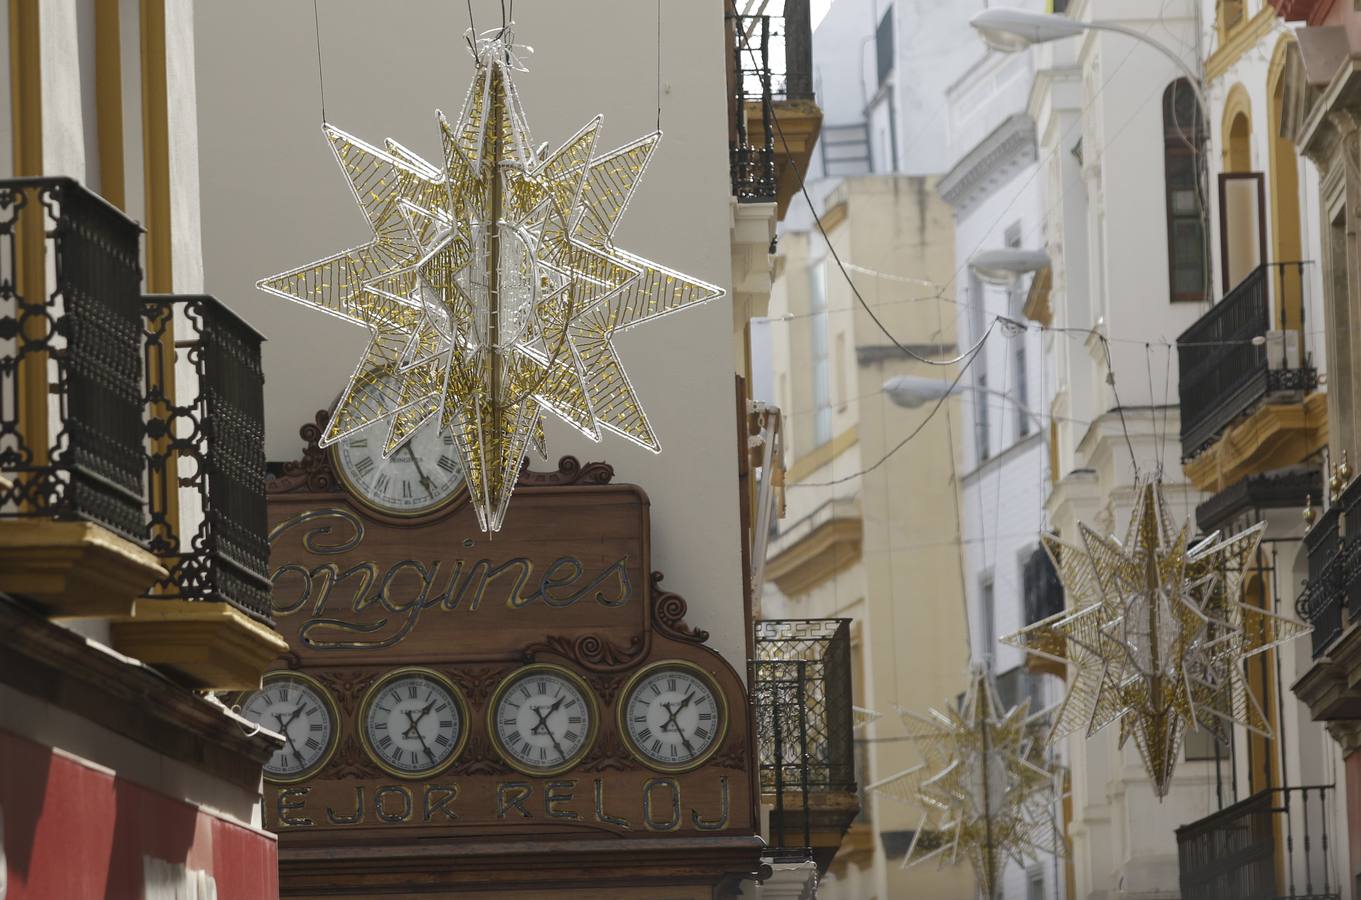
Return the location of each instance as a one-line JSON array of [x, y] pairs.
[[904, 593], [274, 198]]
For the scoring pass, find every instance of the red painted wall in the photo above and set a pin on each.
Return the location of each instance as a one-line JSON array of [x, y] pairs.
[[1352, 778], [72, 832]]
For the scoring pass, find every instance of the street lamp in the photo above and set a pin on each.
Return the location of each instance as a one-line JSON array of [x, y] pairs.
[[1012, 30], [1003, 266]]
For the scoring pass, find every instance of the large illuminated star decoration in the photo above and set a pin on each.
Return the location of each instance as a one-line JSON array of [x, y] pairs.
[[1156, 633], [985, 788], [492, 288]]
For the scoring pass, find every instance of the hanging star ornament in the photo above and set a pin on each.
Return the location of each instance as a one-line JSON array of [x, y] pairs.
[[985, 786], [1156, 634], [492, 288]]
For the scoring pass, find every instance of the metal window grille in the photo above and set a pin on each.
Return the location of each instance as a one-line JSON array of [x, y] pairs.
[[1271, 846], [208, 449], [1225, 367], [71, 417], [802, 684]]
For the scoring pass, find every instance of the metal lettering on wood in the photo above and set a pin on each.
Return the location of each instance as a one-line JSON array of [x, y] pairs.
[[536, 685]]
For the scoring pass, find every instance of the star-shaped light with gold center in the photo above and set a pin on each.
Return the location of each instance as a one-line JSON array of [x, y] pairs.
[[985, 788], [492, 288], [1156, 633]]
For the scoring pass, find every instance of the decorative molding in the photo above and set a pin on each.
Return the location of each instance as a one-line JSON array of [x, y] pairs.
[[570, 471], [831, 546], [1274, 436], [606, 686], [55, 665], [732, 756], [821, 455], [479, 758], [213, 645], [312, 473], [668, 613], [476, 684], [350, 761], [1240, 39], [1009, 146], [608, 753], [591, 651], [1284, 491], [874, 354]]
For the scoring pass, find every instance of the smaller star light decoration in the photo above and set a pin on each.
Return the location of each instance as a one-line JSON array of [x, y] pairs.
[[985, 788], [1156, 634], [492, 288]]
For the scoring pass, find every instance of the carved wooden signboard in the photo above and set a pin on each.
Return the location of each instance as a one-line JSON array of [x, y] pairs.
[[455, 702]]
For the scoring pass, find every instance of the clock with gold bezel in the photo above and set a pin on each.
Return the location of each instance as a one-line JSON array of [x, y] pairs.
[[413, 722], [672, 716], [542, 719], [422, 476], [299, 708]]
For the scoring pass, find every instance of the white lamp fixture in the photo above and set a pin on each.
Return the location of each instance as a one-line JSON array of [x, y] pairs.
[[914, 391], [1005, 265], [1013, 30]]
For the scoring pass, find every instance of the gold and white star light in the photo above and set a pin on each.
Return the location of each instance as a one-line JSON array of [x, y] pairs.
[[492, 288], [985, 788], [1156, 634]]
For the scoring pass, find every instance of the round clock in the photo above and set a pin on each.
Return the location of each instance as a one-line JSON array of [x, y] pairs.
[[422, 476], [299, 708], [672, 716], [542, 719], [413, 722]]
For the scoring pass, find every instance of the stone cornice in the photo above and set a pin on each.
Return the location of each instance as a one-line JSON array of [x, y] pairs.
[[1010, 144], [60, 667]]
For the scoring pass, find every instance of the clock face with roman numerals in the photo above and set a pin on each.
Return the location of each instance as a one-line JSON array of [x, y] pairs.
[[672, 716], [542, 720], [422, 476], [414, 722], [298, 708]]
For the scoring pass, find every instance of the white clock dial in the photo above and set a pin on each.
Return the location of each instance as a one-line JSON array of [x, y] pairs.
[[298, 708], [543, 720], [673, 716], [421, 476], [414, 722]]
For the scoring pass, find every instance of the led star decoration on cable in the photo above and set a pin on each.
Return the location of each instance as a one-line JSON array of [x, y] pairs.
[[985, 787], [1156, 634], [492, 288]]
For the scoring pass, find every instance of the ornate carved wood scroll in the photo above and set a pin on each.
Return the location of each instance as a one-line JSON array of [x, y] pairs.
[[568, 581]]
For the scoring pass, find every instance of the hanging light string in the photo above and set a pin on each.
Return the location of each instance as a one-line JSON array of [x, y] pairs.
[[321, 75], [659, 65]]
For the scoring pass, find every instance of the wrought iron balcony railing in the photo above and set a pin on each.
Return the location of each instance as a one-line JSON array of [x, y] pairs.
[[1272, 846], [801, 692], [71, 440], [208, 437], [1231, 360], [1332, 593], [772, 60]]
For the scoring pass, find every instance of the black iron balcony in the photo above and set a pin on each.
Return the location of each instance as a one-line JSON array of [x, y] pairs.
[[771, 64], [1231, 360], [1272, 846], [71, 437], [207, 440], [801, 693]]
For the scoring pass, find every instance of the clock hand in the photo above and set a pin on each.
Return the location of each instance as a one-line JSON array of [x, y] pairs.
[[420, 473], [288, 738], [413, 722]]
